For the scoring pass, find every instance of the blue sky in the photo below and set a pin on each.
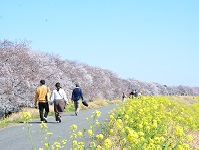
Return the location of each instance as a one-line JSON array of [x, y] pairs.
[[148, 40]]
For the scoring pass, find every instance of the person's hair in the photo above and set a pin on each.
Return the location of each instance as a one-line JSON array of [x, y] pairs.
[[42, 82], [58, 85], [77, 84]]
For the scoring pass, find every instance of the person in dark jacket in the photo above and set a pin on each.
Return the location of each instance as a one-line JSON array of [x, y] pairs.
[[76, 96]]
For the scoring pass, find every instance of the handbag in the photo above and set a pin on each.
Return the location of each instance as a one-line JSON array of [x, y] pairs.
[[84, 102], [62, 99]]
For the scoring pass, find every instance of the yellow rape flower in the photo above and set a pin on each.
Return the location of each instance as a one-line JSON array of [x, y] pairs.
[[79, 134], [111, 117], [92, 144], [73, 127], [162, 139], [90, 132], [64, 141], [185, 146], [97, 123], [128, 111], [74, 142], [49, 133], [43, 125], [180, 147], [111, 130], [132, 137], [142, 139], [46, 145], [161, 106], [107, 143], [99, 147], [151, 141], [126, 117], [99, 136], [98, 113], [189, 138], [119, 121], [140, 126], [73, 135], [157, 140], [26, 115], [179, 131], [57, 145], [80, 145], [124, 141], [146, 123], [123, 130], [118, 126], [140, 133], [148, 128], [155, 125]]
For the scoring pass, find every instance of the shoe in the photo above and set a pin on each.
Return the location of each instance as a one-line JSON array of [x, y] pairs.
[[76, 113], [59, 118], [45, 120]]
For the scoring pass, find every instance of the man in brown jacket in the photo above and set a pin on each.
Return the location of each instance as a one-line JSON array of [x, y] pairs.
[[41, 96]]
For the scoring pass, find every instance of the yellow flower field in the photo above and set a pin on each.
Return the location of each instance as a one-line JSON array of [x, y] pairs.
[[141, 123], [153, 123]]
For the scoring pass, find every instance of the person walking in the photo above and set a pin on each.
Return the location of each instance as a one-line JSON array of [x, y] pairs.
[[77, 94], [60, 101], [42, 96], [140, 94], [123, 97]]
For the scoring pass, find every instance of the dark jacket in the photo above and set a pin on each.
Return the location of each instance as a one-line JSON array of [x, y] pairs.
[[77, 94]]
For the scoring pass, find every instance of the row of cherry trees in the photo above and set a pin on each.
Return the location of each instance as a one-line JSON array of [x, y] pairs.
[[21, 69]]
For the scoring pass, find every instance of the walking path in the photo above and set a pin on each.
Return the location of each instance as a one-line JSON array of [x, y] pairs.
[[16, 137]]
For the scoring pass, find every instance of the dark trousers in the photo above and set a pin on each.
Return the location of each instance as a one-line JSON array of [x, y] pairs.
[[77, 106], [42, 107]]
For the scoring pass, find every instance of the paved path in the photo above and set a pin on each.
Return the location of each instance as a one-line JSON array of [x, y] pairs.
[[16, 137]]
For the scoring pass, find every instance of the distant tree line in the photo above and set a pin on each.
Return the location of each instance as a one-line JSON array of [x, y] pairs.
[[21, 69]]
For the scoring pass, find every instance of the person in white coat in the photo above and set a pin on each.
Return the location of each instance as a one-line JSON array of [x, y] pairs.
[[60, 101]]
